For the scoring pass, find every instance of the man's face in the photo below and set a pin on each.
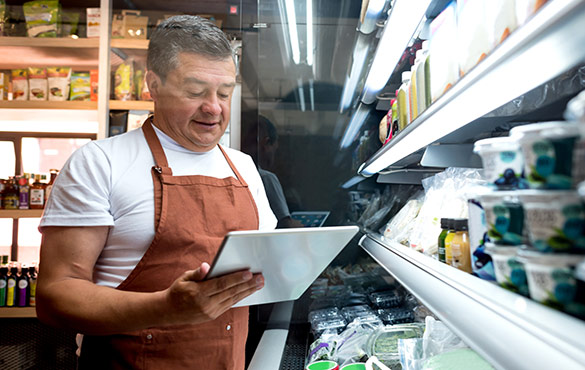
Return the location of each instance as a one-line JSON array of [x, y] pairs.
[[193, 105]]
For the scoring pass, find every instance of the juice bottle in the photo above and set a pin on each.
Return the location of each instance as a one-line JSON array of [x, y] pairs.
[[403, 102], [22, 288], [460, 247], [37, 193], [448, 240], [10, 199], [421, 99], [49, 187], [414, 85], [32, 297], [445, 229], [23, 193], [3, 285], [11, 287]]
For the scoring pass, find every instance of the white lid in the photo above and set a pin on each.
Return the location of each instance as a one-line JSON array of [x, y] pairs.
[[406, 76], [425, 45], [546, 196], [580, 271], [530, 256], [500, 144], [499, 195], [555, 129]]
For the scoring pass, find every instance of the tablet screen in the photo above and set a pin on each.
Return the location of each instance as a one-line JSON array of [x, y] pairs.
[[310, 219]]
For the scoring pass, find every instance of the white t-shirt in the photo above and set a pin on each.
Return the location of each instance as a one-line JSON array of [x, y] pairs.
[[109, 183], [275, 194]]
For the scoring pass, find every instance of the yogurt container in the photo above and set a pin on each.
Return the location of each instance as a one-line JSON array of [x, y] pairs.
[[510, 273], [322, 365], [502, 162], [555, 220], [550, 152], [481, 262], [504, 217], [552, 281]]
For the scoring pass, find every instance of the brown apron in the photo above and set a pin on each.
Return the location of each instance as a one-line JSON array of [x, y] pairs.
[[192, 215]]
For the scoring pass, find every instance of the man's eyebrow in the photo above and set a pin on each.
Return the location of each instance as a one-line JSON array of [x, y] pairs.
[[195, 80]]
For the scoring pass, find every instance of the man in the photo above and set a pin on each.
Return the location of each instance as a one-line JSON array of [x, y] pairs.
[[134, 221]]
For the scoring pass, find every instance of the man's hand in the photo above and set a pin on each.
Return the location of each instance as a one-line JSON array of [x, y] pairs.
[[193, 299]]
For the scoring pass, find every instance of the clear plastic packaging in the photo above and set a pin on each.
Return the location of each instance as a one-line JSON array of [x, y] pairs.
[[383, 343], [386, 299], [393, 316]]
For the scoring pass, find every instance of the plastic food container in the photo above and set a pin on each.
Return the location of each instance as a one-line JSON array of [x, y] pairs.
[[510, 273], [552, 280], [550, 154], [502, 162], [555, 220], [356, 366], [398, 315], [504, 217], [383, 343], [386, 299], [322, 365], [481, 262]]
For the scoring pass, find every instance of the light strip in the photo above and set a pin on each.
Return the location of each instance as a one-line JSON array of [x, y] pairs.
[[375, 7], [525, 60], [360, 53], [312, 95], [301, 94], [356, 122], [310, 50], [402, 22], [292, 30]]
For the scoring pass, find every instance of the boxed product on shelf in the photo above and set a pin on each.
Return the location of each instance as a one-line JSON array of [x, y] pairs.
[[69, 23], [93, 22], [117, 26], [124, 81], [80, 86], [42, 18], [19, 84], [93, 81], [58, 80], [37, 83], [135, 25], [4, 85]]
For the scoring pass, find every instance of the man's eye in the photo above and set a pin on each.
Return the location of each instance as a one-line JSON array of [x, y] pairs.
[[224, 96], [194, 94]]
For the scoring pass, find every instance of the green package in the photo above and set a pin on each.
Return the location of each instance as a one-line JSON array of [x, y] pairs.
[[80, 86], [69, 23], [42, 18]]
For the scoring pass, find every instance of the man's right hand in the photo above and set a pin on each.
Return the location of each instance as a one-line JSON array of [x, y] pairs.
[[193, 299]]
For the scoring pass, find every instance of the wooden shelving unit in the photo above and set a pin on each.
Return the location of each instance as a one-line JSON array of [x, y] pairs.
[[129, 44], [28, 104], [131, 105], [17, 312], [48, 42], [21, 213]]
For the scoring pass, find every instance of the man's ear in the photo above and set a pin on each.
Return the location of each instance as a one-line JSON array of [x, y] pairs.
[[154, 84]]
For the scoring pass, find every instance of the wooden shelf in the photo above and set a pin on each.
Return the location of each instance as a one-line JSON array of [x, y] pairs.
[[17, 312], [132, 104], [21, 213], [30, 104], [49, 42], [129, 44]]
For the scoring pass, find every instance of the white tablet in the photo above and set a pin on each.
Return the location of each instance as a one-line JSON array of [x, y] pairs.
[[310, 218], [289, 259]]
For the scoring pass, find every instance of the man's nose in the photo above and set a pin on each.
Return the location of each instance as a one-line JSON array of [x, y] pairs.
[[211, 105]]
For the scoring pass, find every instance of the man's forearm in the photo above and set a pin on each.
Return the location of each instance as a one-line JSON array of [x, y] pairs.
[[84, 307]]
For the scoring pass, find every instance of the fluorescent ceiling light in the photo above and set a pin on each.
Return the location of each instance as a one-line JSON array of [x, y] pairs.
[[402, 22], [292, 30], [356, 122], [310, 32], [373, 11], [301, 94], [360, 53]]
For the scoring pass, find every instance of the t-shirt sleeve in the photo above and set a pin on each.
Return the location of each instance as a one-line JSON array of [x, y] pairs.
[[275, 195], [267, 220], [80, 194]]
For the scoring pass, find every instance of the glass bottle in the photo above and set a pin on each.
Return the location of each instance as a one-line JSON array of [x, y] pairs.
[[54, 173], [22, 288], [32, 298], [448, 239], [23, 193], [11, 287], [10, 199], [3, 285], [460, 247], [37, 193], [441, 242]]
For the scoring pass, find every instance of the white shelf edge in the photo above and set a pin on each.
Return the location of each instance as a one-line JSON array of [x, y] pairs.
[[550, 43], [510, 331]]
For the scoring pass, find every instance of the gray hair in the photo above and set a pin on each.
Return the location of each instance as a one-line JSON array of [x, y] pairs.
[[185, 34]]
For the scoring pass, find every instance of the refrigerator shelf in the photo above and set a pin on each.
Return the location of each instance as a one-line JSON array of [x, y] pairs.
[[547, 45], [509, 330]]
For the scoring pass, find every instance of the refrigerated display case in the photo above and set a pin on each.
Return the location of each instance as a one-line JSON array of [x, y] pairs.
[[327, 116]]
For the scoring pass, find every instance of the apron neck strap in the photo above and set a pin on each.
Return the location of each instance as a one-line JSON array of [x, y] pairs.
[[160, 159], [229, 161]]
